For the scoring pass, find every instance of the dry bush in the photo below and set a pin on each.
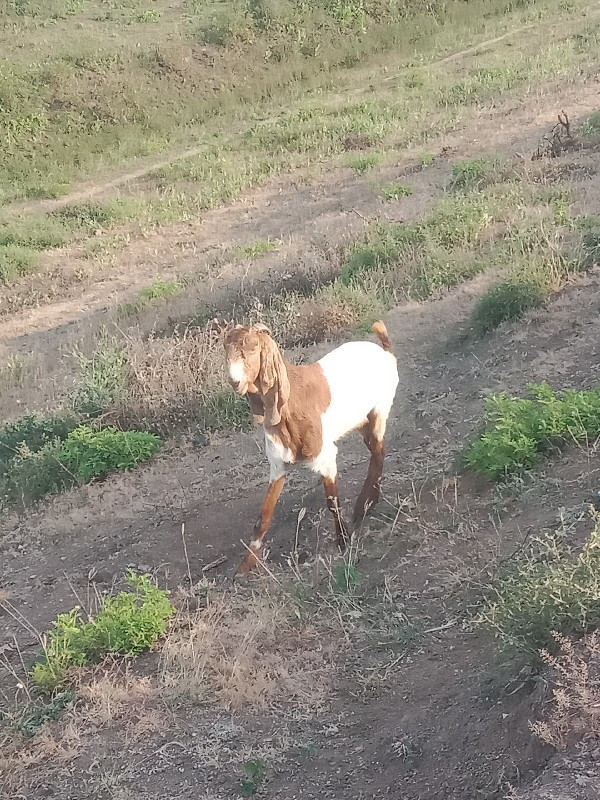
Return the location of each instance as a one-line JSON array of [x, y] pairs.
[[574, 714], [246, 652], [54, 746], [116, 695], [173, 381]]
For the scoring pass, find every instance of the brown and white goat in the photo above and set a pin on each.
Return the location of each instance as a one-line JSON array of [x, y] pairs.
[[306, 409]]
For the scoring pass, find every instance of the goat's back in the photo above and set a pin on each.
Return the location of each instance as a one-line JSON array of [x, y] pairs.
[[362, 377]]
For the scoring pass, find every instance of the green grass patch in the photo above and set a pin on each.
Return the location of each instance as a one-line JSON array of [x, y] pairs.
[[15, 261], [546, 590], [591, 127], [477, 173], [38, 712], [363, 163], [87, 453], [127, 623], [395, 190], [520, 431], [504, 302], [102, 378], [41, 456], [158, 289], [256, 249]]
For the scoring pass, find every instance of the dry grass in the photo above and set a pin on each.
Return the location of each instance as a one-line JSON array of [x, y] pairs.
[[574, 713], [246, 652]]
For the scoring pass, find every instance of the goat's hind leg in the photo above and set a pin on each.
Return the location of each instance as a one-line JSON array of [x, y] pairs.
[[373, 432], [333, 504], [262, 525]]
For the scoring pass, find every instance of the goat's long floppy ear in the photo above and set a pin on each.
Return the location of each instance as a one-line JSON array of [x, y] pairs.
[[275, 385]]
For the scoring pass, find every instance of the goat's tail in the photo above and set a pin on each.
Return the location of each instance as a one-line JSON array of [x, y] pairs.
[[380, 331]]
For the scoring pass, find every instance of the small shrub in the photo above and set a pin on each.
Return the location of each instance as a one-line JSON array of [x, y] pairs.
[[426, 159], [254, 773], [102, 379], [575, 678], [33, 475], [520, 430], [363, 163], [16, 260], [34, 433], [128, 623], [591, 127], [591, 248], [476, 174], [547, 590], [504, 302], [39, 712], [256, 249], [87, 453], [394, 190]]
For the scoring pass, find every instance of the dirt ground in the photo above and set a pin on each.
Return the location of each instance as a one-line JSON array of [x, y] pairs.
[[430, 713]]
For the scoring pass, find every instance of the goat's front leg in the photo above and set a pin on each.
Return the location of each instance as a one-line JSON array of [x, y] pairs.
[[262, 525]]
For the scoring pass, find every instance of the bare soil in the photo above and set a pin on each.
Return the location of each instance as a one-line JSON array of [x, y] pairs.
[[435, 714]]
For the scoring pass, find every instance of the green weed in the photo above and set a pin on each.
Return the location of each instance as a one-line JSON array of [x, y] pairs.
[[519, 431], [548, 589], [477, 173], [102, 379], [159, 288], [591, 127], [426, 159], [254, 773], [128, 623], [40, 456], [256, 249], [16, 260], [363, 163], [395, 190], [504, 302], [87, 453], [33, 433], [38, 712]]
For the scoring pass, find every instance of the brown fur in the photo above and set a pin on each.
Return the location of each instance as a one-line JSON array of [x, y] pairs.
[[369, 494], [380, 331], [290, 398]]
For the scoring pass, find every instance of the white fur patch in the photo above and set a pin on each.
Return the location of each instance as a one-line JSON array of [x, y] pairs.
[[278, 456], [362, 378], [237, 373]]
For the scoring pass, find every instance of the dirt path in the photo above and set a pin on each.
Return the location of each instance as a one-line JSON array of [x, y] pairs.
[[468, 736]]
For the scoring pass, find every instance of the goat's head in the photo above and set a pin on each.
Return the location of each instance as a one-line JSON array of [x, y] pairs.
[[255, 366]]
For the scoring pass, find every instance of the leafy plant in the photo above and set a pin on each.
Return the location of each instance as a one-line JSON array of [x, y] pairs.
[[547, 590], [89, 453], [39, 712], [394, 190], [476, 173], [34, 432], [128, 623], [362, 163], [254, 773], [347, 577], [102, 379], [520, 430], [504, 302], [591, 127]]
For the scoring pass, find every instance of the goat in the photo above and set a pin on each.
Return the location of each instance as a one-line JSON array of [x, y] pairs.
[[306, 409]]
